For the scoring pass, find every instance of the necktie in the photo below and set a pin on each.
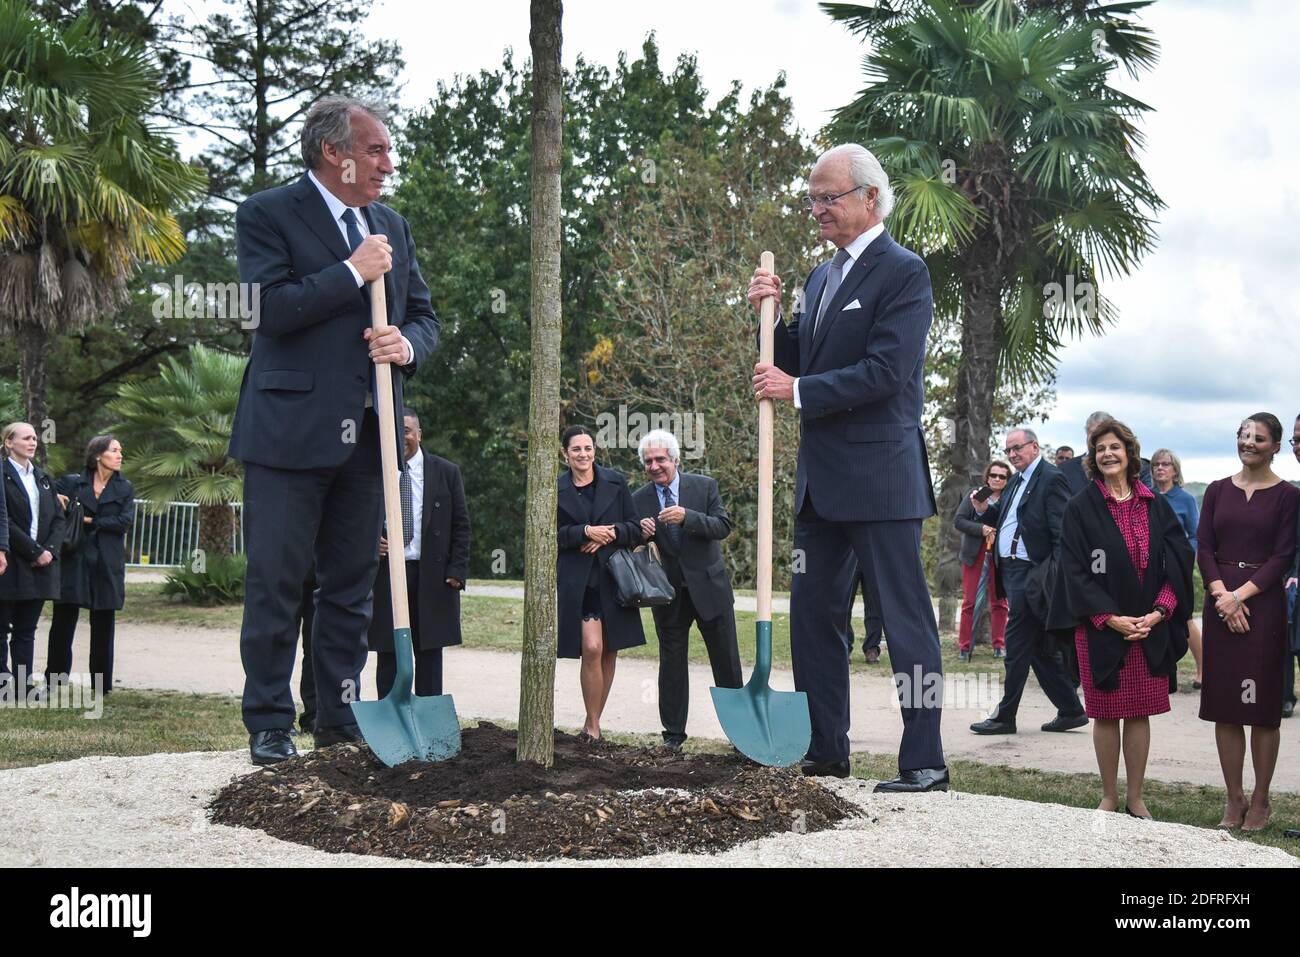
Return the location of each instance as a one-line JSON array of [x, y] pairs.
[[673, 531], [408, 508], [354, 232], [833, 279]]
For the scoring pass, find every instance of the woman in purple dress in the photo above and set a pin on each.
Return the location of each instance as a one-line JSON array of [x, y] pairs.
[[1246, 541], [1123, 595]]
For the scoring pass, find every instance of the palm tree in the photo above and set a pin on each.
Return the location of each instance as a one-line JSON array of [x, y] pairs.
[[85, 186], [178, 426], [1016, 173]]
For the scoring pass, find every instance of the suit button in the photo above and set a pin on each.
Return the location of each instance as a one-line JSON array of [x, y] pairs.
[[437, 505]]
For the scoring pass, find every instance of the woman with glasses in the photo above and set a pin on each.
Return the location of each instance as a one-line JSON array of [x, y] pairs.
[[1167, 474], [1246, 543], [976, 556]]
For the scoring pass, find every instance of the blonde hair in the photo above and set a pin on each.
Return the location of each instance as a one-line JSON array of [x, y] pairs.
[[1177, 462], [8, 434]]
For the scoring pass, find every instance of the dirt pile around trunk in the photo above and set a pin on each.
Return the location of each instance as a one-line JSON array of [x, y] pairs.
[[598, 800]]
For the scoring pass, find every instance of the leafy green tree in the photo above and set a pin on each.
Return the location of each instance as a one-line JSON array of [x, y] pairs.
[[464, 188], [178, 426], [1015, 166], [87, 189]]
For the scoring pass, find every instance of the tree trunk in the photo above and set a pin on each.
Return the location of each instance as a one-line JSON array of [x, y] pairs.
[[537, 669], [33, 341], [216, 530], [968, 455]]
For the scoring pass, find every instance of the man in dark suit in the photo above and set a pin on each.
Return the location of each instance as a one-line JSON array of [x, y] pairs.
[[852, 362], [436, 537], [1027, 541], [684, 515], [305, 427]]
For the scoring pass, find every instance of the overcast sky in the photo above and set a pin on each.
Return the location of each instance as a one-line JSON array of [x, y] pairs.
[[1206, 333]]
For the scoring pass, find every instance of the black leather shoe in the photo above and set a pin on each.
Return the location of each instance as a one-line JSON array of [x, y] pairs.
[[1062, 723], [270, 747], [872, 655], [1288, 709], [340, 734], [993, 726], [914, 782], [825, 769], [674, 744]]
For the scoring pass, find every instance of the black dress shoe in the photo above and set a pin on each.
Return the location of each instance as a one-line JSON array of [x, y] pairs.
[[993, 726], [674, 744], [914, 782], [339, 734], [825, 769], [872, 655], [1288, 709], [1063, 723], [270, 747]]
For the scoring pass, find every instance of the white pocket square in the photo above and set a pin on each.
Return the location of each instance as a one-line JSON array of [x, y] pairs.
[[853, 305]]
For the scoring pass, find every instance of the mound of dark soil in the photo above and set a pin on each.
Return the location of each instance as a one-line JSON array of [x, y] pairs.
[[597, 801]]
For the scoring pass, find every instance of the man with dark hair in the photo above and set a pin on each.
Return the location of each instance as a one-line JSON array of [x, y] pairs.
[[1027, 540], [305, 427], [1063, 454]]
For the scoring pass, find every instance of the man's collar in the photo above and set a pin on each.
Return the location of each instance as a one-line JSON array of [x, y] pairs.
[[859, 245], [336, 205], [416, 460], [1028, 473], [673, 486]]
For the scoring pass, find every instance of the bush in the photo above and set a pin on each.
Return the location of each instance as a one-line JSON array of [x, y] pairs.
[[220, 583]]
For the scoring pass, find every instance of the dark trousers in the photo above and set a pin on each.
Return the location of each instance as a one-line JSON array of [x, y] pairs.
[[294, 520], [819, 650], [428, 664], [871, 621], [673, 627], [1029, 647], [307, 680], [18, 624], [63, 629]]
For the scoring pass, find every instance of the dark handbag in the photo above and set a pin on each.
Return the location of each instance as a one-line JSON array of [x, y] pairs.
[[639, 578], [75, 528]]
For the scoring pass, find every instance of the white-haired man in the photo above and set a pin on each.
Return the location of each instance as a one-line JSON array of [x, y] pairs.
[[852, 362], [684, 515]]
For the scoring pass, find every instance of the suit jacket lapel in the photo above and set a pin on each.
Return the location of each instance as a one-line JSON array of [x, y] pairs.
[[311, 209], [605, 493], [857, 274], [22, 519], [426, 499]]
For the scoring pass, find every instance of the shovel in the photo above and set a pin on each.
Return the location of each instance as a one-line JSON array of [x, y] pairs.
[[770, 727], [401, 726]]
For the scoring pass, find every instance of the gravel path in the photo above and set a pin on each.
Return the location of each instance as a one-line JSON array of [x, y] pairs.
[[149, 812]]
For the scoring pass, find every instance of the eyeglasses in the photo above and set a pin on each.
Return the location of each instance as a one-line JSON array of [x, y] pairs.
[[825, 200], [999, 476], [1013, 449], [1162, 465]]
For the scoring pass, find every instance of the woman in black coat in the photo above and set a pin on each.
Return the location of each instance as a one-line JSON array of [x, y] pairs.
[[36, 525], [595, 516], [94, 575]]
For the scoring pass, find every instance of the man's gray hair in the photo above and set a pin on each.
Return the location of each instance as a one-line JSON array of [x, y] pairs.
[[330, 119], [866, 171], [1095, 419], [659, 439], [1029, 434]]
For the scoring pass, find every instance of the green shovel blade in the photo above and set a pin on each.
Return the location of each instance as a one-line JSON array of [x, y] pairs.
[[403, 726], [770, 727]]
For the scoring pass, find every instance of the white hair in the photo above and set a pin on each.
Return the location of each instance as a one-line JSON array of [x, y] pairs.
[[659, 439], [866, 171]]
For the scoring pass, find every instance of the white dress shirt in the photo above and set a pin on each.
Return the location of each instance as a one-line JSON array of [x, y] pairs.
[[854, 249], [28, 477], [337, 208], [1012, 520], [674, 486], [415, 465]]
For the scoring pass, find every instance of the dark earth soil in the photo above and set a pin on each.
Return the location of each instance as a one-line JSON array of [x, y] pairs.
[[598, 800]]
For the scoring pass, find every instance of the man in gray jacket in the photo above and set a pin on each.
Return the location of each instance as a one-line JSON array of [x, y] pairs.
[[684, 515]]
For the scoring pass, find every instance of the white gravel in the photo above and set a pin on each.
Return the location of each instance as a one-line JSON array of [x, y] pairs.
[[149, 812]]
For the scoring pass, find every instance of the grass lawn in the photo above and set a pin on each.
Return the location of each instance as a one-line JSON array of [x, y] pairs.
[[147, 722]]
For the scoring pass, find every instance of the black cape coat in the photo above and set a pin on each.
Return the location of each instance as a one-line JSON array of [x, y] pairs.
[[1095, 576]]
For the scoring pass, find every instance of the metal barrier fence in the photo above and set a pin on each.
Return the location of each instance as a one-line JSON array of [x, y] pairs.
[[169, 536]]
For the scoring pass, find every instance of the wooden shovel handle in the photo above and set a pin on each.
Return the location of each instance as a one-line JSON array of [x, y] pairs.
[[389, 465], [766, 411]]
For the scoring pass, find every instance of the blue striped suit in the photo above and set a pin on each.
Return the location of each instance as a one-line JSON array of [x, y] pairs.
[[862, 490]]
